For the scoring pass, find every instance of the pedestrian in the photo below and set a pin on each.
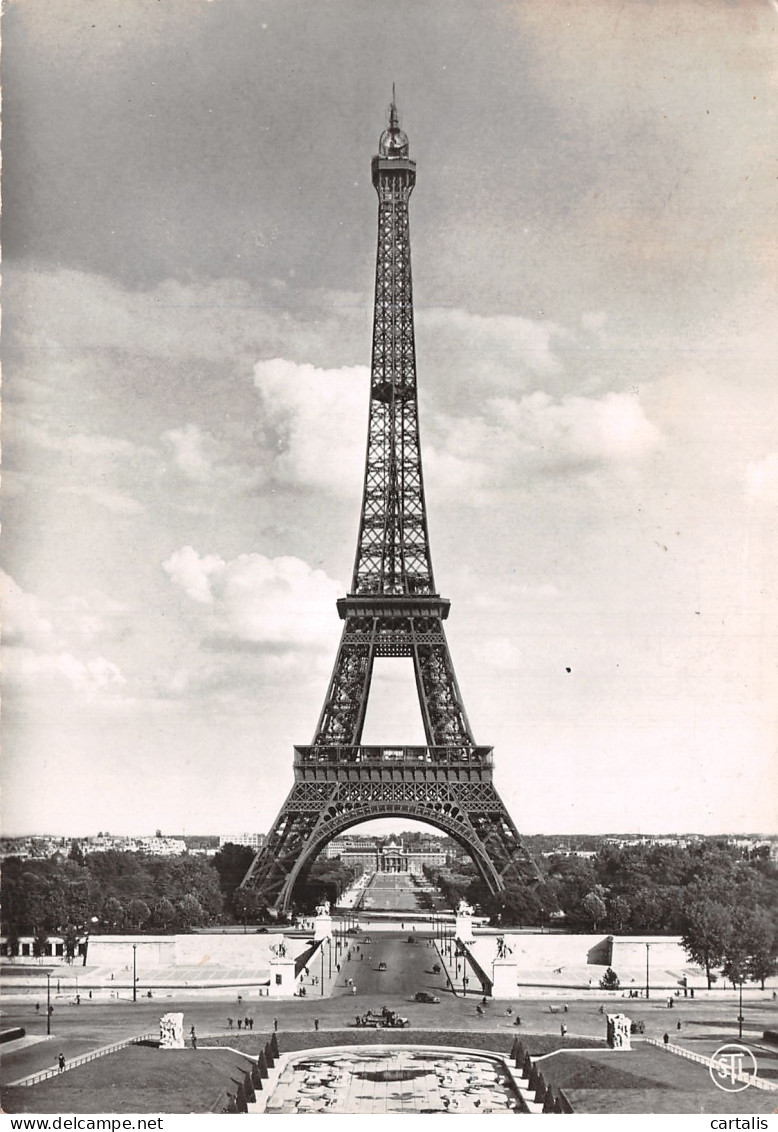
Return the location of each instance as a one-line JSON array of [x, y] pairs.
[[563, 1029], [246, 1022], [565, 1008], [194, 1040], [678, 1024], [90, 994], [691, 992], [240, 1023], [78, 1000], [37, 1008], [275, 1025], [229, 1023], [61, 1063], [509, 1010], [666, 1039], [316, 1023], [353, 989], [517, 1021], [240, 999]]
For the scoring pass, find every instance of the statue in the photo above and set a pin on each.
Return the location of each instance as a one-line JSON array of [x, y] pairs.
[[171, 1031], [464, 909], [323, 909], [279, 949], [503, 951], [619, 1031]]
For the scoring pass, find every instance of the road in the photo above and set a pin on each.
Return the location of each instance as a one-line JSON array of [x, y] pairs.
[[408, 966]]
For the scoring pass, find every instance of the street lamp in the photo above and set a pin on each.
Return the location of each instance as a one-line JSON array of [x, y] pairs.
[[48, 1003], [740, 1012], [648, 981], [134, 975]]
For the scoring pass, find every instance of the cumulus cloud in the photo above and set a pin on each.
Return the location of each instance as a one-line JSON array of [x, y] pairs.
[[319, 418], [188, 444], [537, 433], [23, 620], [277, 603], [40, 645]]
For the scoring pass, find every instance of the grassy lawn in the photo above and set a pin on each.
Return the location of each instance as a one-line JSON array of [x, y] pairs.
[[645, 1080], [137, 1079]]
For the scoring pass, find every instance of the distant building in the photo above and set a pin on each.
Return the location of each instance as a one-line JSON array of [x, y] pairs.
[[250, 840], [374, 855], [161, 846]]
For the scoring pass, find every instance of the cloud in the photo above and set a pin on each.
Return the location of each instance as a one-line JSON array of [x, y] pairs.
[[114, 501], [277, 604], [319, 419], [188, 451], [761, 480], [40, 645], [23, 620], [537, 435]]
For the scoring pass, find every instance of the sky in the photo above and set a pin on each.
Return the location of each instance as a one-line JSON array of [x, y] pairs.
[[189, 248]]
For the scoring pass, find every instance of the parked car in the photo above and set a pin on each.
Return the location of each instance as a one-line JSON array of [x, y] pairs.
[[382, 966], [425, 996]]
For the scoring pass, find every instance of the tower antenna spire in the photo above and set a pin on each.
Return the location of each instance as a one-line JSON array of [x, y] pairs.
[[394, 121]]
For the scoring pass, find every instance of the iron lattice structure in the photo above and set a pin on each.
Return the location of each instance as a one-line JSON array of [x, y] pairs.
[[393, 610]]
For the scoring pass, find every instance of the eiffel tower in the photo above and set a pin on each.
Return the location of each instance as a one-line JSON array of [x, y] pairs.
[[393, 610]]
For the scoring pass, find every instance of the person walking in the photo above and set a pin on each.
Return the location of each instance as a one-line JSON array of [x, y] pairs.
[[666, 1039], [61, 1063], [316, 1023], [229, 1023], [275, 1025], [563, 1030]]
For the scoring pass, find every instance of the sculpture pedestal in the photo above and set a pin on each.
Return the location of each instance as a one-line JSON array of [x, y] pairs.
[[322, 926], [283, 982], [618, 1031], [464, 928], [171, 1031], [504, 978]]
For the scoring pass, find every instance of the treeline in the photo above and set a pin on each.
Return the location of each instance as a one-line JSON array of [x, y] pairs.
[[723, 903], [134, 892]]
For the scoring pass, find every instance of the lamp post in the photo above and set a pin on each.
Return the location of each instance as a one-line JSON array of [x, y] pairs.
[[48, 1003], [740, 1012], [134, 973], [648, 980]]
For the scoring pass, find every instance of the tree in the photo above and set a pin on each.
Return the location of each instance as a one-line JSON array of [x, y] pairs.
[[761, 947], [610, 980], [70, 940], [163, 913], [189, 912], [594, 907], [618, 913], [113, 913], [40, 944], [138, 913], [76, 853], [706, 934]]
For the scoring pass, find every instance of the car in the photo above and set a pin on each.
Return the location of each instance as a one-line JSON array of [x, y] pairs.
[[425, 996], [382, 966]]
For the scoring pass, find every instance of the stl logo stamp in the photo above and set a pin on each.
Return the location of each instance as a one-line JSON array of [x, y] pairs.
[[733, 1068]]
